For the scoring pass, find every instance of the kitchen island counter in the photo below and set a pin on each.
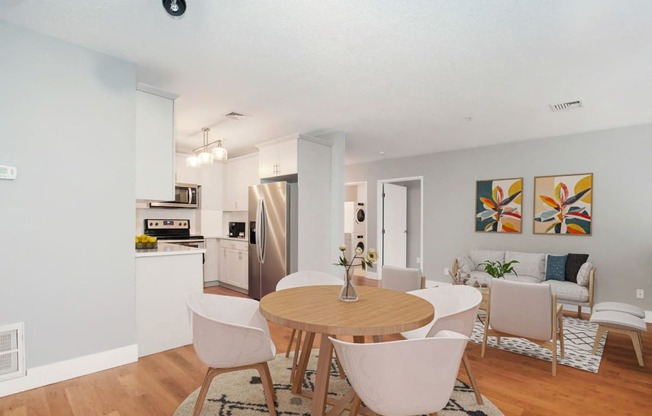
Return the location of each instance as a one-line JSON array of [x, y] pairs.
[[167, 249], [164, 278]]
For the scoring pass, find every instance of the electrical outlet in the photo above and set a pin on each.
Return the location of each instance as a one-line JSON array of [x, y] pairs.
[[446, 271], [418, 260], [640, 294]]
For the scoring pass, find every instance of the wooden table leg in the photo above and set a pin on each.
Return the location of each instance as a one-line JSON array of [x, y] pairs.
[[300, 372], [322, 376]]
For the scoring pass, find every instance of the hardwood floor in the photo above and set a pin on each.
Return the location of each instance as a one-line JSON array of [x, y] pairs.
[[516, 384]]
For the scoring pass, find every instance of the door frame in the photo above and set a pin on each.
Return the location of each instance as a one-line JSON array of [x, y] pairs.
[[380, 215]]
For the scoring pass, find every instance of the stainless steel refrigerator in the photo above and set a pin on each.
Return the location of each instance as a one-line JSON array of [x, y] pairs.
[[272, 235]]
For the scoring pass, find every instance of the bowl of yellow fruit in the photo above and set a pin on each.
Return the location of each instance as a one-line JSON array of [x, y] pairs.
[[145, 242]]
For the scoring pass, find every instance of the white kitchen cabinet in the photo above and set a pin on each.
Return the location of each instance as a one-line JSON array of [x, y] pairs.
[[212, 182], [238, 268], [278, 157], [234, 264], [186, 174], [241, 173], [154, 144], [212, 263]]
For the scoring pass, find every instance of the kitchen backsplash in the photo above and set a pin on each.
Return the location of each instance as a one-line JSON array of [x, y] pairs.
[[209, 223]]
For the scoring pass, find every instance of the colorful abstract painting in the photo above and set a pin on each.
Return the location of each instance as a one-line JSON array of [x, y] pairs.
[[562, 204], [498, 205]]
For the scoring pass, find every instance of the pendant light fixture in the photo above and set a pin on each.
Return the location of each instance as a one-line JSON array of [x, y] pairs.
[[203, 155], [219, 152]]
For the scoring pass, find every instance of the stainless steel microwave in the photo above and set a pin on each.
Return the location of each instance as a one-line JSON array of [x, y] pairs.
[[185, 196]]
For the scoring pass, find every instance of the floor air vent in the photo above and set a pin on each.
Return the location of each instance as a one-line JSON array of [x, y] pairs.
[[566, 106], [12, 351]]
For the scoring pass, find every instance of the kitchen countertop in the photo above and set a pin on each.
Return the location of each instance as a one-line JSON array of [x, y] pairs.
[[167, 249], [230, 238]]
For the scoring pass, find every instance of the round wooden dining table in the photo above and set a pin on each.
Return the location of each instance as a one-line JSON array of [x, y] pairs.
[[318, 310]]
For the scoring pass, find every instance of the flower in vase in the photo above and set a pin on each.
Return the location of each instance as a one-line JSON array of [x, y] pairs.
[[366, 260]]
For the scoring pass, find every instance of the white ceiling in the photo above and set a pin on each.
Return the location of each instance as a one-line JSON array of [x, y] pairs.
[[395, 76]]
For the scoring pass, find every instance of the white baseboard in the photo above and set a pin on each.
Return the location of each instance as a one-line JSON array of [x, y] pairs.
[[65, 370]]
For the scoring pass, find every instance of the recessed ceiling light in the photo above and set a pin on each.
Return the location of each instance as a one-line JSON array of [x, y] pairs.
[[381, 152]]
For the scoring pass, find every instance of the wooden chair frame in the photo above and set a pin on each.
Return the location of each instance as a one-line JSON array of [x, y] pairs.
[[265, 377]]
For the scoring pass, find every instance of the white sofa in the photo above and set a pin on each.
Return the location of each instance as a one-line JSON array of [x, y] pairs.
[[531, 268]]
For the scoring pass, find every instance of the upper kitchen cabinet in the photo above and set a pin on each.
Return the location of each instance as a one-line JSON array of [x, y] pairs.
[[278, 157], [186, 174], [154, 144], [241, 172]]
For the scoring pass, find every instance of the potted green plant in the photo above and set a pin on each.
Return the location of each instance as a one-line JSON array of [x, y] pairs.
[[498, 268]]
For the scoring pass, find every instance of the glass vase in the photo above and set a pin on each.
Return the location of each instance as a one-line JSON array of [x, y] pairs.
[[348, 292]]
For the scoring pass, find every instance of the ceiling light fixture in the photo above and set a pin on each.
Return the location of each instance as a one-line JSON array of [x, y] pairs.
[[175, 8], [203, 154]]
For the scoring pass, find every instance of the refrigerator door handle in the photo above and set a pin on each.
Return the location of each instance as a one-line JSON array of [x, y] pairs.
[[260, 223], [263, 222]]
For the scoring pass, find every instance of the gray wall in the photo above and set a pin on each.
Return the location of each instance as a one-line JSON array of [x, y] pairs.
[[67, 121], [621, 240]]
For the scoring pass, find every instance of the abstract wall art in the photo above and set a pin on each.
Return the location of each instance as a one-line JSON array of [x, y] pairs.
[[498, 205], [563, 204]]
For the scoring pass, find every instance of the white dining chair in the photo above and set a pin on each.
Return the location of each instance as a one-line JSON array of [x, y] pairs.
[[230, 334], [525, 310], [456, 307], [403, 378], [402, 279], [300, 279]]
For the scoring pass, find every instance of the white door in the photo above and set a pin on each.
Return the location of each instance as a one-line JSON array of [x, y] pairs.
[[394, 225]]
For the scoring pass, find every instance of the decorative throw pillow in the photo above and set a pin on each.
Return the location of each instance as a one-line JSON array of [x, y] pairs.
[[583, 274], [465, 264], [573, 264], [556, 267]]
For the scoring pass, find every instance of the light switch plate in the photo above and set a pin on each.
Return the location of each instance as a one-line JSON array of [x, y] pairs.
[[8, 172]]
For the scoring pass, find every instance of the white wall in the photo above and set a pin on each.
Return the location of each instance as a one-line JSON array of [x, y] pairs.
[[67, 121], [621, 243], [336, 238]]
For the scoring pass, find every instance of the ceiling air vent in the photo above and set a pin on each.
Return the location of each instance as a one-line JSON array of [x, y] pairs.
[[566, 106], [234, 116]]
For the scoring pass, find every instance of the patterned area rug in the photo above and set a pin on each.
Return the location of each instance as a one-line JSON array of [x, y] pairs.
[[241, 393], [579, 336]]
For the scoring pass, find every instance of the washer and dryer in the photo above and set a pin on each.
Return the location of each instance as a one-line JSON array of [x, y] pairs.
[[355, 227], [360, 217], [358, 241]]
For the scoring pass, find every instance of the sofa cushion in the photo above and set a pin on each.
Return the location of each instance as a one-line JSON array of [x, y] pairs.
[[529, 264], [556, 267], [583, 274], [568, 291], [522, 278], [465, 264], [573, 264], [480, 256]]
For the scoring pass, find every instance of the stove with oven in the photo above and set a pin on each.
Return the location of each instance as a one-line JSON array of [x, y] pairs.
[[173, 231]]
